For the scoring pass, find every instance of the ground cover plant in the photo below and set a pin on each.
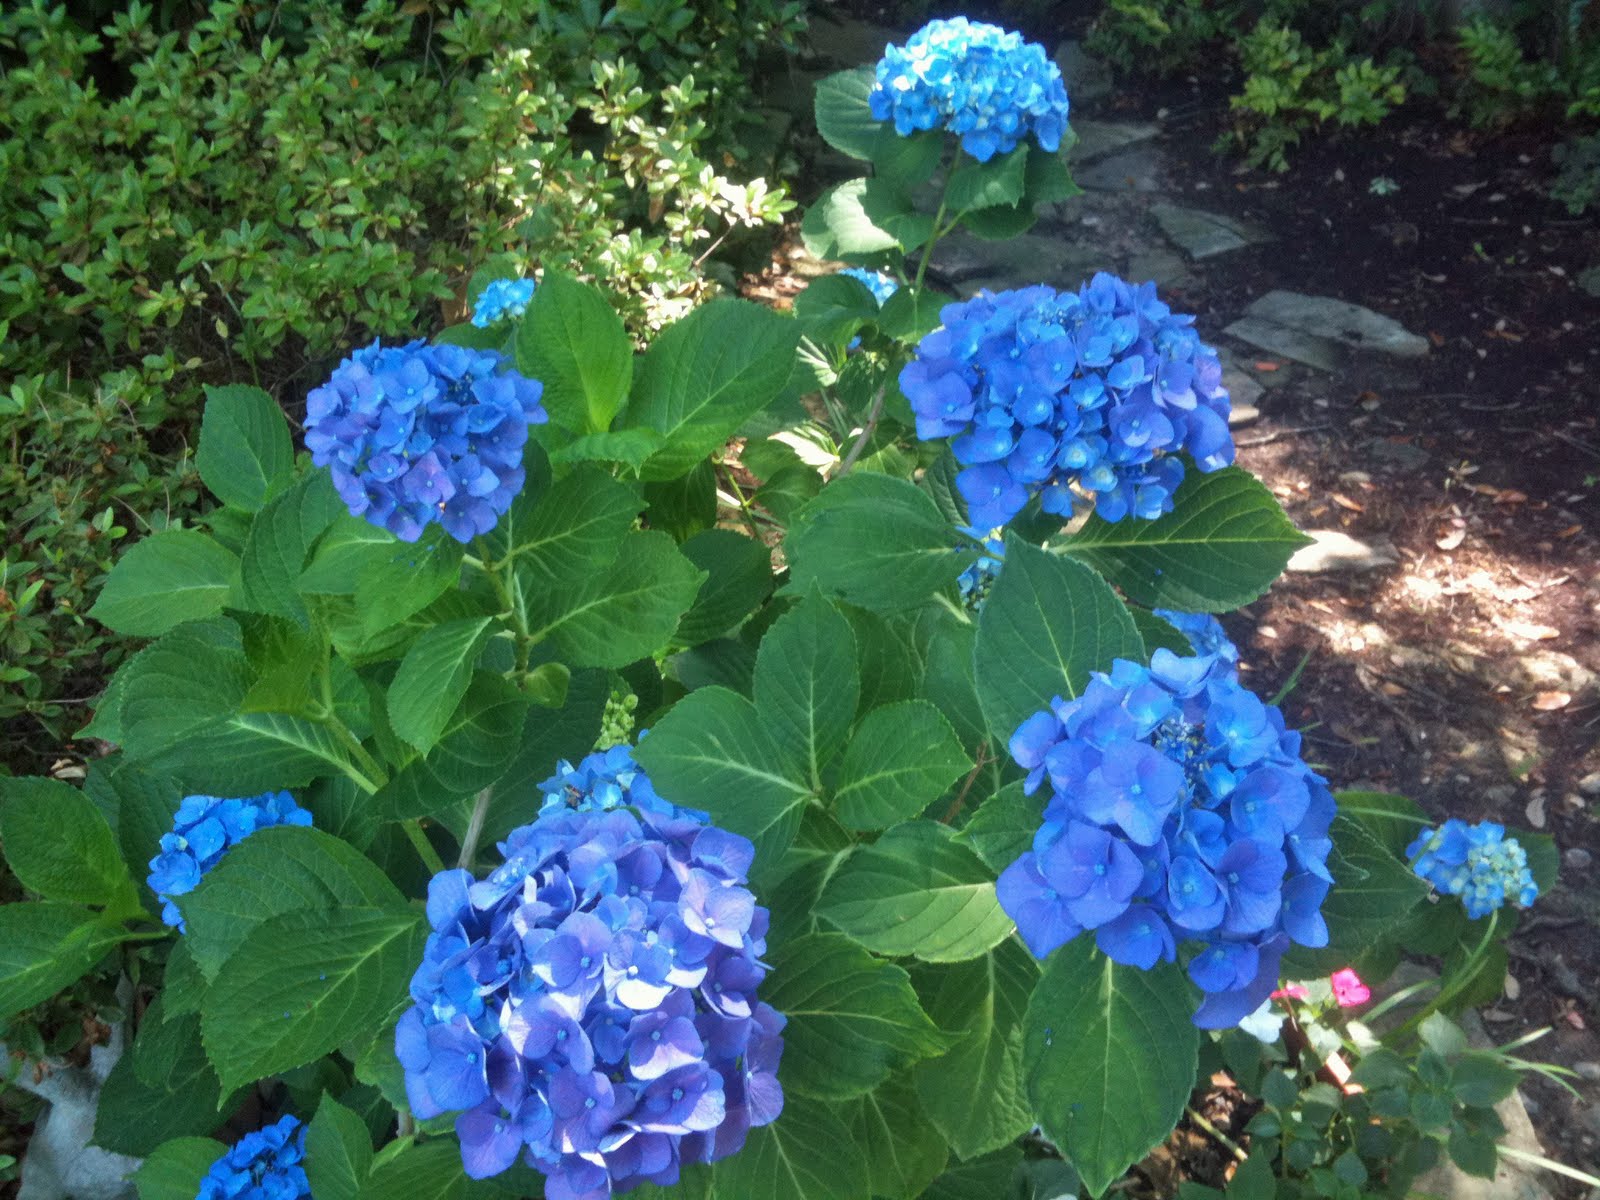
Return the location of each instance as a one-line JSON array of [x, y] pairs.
[[767, 948]]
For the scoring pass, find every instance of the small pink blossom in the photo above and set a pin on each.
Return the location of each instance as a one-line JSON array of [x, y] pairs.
[[1293, 992], [1348, 989]]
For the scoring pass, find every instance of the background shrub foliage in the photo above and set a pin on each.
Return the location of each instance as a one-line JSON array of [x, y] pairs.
[[236, 191]]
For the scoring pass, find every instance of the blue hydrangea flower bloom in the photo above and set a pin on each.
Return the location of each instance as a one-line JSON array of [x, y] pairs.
[[203, 830], [1476, 862], [1058, 394], [879, 283], [980, 82], [609, 779], [1204, 633], [1180, 813], [502, 300], [591, 1006], [975, 582], [415, 434], [265, 1165]]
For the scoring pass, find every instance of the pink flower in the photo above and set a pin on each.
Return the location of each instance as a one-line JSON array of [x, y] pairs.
[[1293, 992], [1348, 989]]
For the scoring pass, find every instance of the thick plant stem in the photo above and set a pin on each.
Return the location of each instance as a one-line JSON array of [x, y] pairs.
[[469, 841], [425, 851], [503, 591]]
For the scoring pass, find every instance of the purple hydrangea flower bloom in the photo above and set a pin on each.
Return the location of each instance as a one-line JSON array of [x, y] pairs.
[[203, 830], [591, 1006], [978, 81], [502, 300], [1476, 862], [1070, 396], [417, 434], [264, 1165], [1179, 812]]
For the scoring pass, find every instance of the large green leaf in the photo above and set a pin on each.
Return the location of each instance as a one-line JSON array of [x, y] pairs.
[[853, 1020], [705, 375], [162, 1088], [302, 983], [984, 1178], [572, 341], [981, 1002], [877, 541], [245, 455], [164, 580], [863, 217], [279, 870], [904, 1152], [834, 307], [917, 892], [1112, 1053], [338, 1152], [574, 530], [348, 549], [411, 576], [60, 846], [713, 751], [1047, 624], [1221, 546], [1374, 893], [738, 578], [432, 678], [808, 1153], [477, 746], [176, 1168], [844, 118], [279, 545], [430, 1170], [627, 612], [997, 182], [1004, 825], [901, 758], [46, 945], [807, 683]]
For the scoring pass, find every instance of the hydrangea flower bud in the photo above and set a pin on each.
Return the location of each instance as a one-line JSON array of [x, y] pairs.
[[502, 300], [591, 1006], [1180, 813], [1476, 862], [416, 434], [980, 82], [1060, 394], [264, 1165], [609, 779], [203, 830]]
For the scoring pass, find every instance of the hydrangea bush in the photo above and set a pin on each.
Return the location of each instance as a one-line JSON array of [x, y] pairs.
[[943, 852]]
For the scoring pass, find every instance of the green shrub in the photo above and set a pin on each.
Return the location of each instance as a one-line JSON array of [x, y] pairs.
[[252, 192], [1163, 37]]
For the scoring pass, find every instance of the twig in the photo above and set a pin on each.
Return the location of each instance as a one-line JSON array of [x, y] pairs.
[[1572, 441], [865, 435], [469, 840], [1231, 1145], [966, 784], [1282, 433]]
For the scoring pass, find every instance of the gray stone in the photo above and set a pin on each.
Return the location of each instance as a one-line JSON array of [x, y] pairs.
[[1578, 859], [973, 263], [1096, 139], [1589, 281], [1203, 234], [850, 42], [1244, 389], [1402, 456], [1240, 415], [1136, 169], [1589, 785], [1161, 266], [1588, 1071], [1316, 329], [1086, 77], [1334, 550]]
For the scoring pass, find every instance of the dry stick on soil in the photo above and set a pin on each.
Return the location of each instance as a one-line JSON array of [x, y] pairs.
[[1282, 433]]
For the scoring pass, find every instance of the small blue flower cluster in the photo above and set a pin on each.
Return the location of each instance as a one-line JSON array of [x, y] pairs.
[[1204, 633], [979, 81], [264, 1165], [881, 284], [420, 433], [609, 779], [1044, 390], [592, 1003], [1476, 862], [504, 299], [1180, 810], [202, 832], [977, 579]]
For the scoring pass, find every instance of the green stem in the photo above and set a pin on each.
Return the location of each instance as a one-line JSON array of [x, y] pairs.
[[425, 851], [1449, 991], [933, 240], [503, 590], [366, 772], [1231, 1145]]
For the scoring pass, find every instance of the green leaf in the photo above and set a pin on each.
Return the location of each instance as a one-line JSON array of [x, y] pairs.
[[738, 573], [982, 1004], [623, 614], [981, 1179], [901, 758], [350, 547], [1482, 1078], [1221, 546], [863, 217], [877, 541], [911, 313], [713, 751], [60, 846], [162, 1088], [1004, 825], [1049, 181], [164, 580], [853, 1020], [988, 185], [705, 376], [476, 747], [338, 1152], [176, 1168], [904, 1152], [429, 1171], [1394, 820], [834, 307], [279, 545], [45, 946], [1157, 633], [1373, 893], [572, 341], [433, 677], [687, 506], [907, 162], [284, 869], [630, 447], [574, 530], [807, 683], [1112, 1053], [411, 576], [302, 983], [808, 1153], [844, 119], [245, 456], [915, 891], [1047, 624], [1473, 1153]]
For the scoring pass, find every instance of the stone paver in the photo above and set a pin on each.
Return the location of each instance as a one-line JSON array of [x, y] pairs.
[[1320, 331], [1203, 234], [1334, 550], [973, 263], [1086, 77], [1096, 139], [1159, 265], [1136, 169]]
